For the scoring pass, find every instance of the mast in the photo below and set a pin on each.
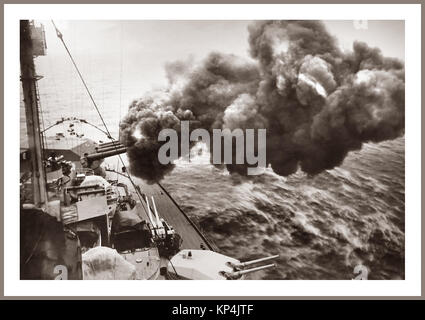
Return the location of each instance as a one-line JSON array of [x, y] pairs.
[[29, 49]]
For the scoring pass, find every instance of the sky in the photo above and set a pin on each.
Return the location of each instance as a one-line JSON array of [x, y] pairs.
[[122, 60], [146, 46], [168, 38]]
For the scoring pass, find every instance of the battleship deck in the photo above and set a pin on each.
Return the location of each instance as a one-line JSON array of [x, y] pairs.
[[169, 210]]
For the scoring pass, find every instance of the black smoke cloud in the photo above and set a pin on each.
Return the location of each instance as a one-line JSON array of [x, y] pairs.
[[316, 102]]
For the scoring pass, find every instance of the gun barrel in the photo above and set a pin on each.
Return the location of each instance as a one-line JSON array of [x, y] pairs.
[[248, 263], [158, 221], [149, 212], [108, 144], [105, 154], [238, 274], [112, 147]]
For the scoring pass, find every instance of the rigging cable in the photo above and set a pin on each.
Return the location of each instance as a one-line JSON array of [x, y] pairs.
[[121, 54], [60, 36]]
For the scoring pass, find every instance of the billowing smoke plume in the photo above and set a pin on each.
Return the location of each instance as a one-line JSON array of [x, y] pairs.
[[316, 102]]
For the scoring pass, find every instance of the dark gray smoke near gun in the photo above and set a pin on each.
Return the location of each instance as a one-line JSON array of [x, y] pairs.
[[316, 102]]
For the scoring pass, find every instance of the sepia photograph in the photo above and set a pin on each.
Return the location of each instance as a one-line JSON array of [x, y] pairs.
[[212, 150]]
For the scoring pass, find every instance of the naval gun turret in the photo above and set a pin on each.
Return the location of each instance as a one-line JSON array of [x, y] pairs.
[[105, 150]]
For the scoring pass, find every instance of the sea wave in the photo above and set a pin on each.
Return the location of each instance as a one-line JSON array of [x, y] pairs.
[[321, 226]]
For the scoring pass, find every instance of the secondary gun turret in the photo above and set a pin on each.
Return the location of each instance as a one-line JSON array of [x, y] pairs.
[[210, 265]]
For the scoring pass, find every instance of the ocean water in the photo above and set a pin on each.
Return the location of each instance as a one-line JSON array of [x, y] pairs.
[[321, 226]]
